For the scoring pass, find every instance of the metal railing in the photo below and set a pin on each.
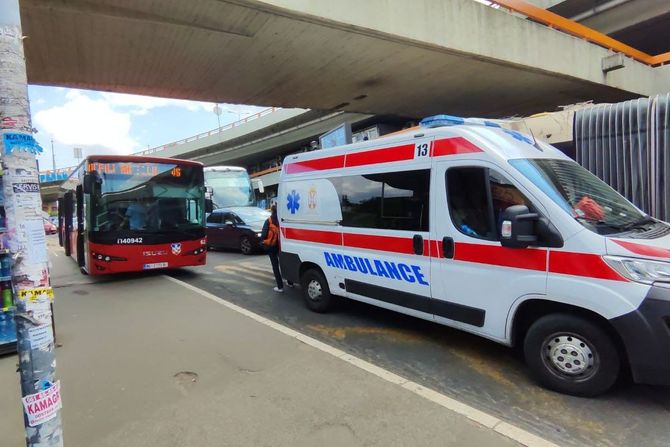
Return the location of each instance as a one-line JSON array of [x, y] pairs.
[[568, 26], [218, 130], [61, 174], [57, 175]]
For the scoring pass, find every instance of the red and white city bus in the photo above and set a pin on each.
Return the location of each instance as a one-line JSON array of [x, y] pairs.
[[130, 213]]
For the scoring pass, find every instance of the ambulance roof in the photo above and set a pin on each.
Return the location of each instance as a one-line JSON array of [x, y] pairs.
[[477, 138]]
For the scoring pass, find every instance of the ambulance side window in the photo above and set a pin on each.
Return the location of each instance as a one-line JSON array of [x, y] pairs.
[[467, 190], [392, 200], [477, 199]]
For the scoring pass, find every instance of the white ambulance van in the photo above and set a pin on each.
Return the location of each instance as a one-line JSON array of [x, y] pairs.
[[478, 227]]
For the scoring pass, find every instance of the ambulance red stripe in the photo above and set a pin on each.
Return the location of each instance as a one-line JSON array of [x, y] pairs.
[[317, 164], [582, 264], [644, 250], [529, 259], [405, 152], [453, 146], [561, 262], [376, 156], [436, 250], [321, 237], [381, 243]]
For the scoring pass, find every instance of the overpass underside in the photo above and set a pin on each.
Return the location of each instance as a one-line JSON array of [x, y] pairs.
[[378, 56]]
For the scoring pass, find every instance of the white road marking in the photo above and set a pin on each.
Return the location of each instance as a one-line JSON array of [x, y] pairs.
[[489, 421]]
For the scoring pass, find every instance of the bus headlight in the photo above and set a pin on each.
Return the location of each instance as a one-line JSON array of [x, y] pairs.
[[197, 251], [106, 258], [640, 270]]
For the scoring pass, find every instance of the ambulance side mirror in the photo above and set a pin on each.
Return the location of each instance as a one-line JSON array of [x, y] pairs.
[[518, 227], [521, 229]]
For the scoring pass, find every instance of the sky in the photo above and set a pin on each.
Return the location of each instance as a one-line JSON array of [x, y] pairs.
[[113, 123]]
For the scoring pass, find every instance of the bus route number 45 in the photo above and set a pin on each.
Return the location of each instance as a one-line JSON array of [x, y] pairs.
[[421, 149]]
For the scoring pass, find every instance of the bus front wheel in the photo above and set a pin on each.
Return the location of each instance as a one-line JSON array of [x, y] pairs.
[[571, 355]]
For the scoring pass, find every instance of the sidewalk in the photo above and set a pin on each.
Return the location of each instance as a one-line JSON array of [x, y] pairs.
[[148, 362]]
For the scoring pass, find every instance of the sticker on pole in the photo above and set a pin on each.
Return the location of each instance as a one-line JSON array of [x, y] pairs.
[[20, 142], [41, 337], [36, 295], [38, 302], [43, 406]]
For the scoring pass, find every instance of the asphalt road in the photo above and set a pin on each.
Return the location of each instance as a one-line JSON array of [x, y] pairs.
[[478, 372]]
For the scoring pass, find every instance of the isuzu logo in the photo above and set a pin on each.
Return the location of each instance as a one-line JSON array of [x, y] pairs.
[[154, 253]]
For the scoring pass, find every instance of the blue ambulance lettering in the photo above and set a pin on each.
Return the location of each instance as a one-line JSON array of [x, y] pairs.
[[375, 267]]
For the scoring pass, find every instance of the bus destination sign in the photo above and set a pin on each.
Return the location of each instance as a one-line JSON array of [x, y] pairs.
[[130, 169]]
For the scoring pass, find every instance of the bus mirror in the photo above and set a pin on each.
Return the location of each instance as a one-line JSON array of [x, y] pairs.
[[518, 227], [209, 205], [89, 181]]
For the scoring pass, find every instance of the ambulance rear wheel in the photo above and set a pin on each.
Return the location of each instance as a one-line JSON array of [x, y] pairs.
[[571, 355], [316, 292]]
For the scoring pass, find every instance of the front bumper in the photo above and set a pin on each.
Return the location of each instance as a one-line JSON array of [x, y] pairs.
[[646, 336]]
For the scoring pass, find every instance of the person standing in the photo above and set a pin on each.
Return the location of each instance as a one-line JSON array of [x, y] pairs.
[[136, 215], [270, 238]]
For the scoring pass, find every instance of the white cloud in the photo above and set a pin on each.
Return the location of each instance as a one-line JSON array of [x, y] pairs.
[[87, 122], [101, 122], [141, 105]]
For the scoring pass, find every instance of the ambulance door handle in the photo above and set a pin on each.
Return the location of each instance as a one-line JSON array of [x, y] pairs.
[[448, 247], [417, 242]]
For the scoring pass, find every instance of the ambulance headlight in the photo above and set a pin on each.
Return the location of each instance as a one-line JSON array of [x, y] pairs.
[[258, 234], [640, 270]]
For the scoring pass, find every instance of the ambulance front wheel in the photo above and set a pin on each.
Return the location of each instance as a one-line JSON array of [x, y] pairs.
[[316, 292], [571, 355]]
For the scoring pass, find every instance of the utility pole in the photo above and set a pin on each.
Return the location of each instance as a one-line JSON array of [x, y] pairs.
[[32, 294], [53, 155], [217, 111]]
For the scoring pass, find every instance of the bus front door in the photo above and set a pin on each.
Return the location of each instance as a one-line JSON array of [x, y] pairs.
[[81, 236], [67, 222]]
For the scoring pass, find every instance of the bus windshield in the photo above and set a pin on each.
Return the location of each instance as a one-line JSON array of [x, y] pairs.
[[592, 202], [146, 198], [230, 188]]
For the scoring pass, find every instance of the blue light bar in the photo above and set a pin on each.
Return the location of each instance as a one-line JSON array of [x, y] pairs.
[[449, 120], [441, 120]]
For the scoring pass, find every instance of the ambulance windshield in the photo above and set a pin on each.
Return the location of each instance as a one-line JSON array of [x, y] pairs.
[[588, 199]]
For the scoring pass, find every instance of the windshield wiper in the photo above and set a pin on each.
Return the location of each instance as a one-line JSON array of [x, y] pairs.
[[602, 223], [640, 222]]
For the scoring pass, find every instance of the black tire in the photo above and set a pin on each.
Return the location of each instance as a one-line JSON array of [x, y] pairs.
[[571, 355], [246, 246], [315, 291]]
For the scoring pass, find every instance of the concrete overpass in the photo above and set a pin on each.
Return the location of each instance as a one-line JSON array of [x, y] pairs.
[[378, 56]]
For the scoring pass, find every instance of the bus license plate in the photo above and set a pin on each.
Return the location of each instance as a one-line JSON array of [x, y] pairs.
[[155, 265]]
